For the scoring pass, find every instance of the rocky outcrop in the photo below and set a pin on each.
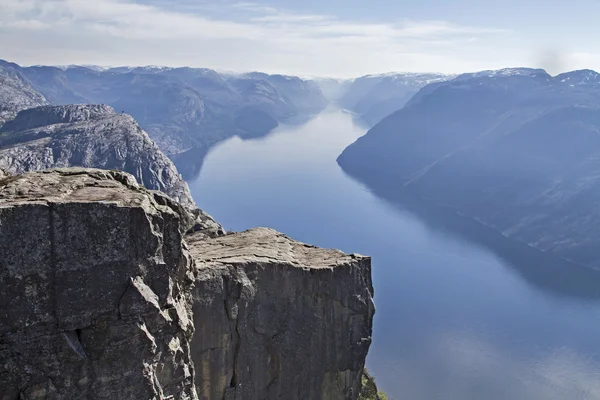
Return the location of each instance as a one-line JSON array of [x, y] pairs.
[[94, 290], [278, 319], [88, 136], [103, 298]]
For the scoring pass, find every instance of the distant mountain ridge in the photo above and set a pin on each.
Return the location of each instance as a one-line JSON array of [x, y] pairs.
[[373, 97], [515, 149], [180, 108]]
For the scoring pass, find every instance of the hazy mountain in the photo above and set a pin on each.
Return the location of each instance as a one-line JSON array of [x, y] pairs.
[[514, 149], [88, 136], [374, 97], [332, 88], [181, 108]]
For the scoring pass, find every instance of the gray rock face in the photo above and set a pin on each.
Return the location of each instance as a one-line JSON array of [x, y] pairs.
[[95, 290], [16, 95], [100, 298], [278, 319], [88, 136]]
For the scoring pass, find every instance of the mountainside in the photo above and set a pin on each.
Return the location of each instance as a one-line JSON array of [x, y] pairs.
[[16, 94], [104, 296], [373, 97], [303, 94], [515, 149], [181, 108], [88, 136]]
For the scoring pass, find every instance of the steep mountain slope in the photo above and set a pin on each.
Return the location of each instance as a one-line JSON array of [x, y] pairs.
[[16, 94], [514, 149], [182, 108], [374, 97], [88, 136]]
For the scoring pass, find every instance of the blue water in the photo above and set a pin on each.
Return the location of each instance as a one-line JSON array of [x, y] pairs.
[[454, 321]]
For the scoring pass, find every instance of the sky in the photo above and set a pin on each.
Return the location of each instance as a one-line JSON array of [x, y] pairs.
[[328, 38]]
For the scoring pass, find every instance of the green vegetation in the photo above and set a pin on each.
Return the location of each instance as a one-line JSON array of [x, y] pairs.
[[369, 388]]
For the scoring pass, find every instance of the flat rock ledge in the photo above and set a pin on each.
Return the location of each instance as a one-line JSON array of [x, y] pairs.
[[103, 296], [279, 319]]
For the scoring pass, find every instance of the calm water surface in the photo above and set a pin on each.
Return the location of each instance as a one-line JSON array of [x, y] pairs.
[[454, 320]]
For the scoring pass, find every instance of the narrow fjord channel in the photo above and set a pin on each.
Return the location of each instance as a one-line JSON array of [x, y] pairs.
[[454, 320]]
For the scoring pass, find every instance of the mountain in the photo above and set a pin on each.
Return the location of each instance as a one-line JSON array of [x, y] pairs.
[[16, 94], [516, 150], [303, 94], [584, 77], [374, 97], [181, 108], [332, 88], [88, 136]]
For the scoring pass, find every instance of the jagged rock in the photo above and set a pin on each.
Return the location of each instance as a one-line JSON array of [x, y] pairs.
[[204, 224], [88, 136], [94, 290], [97, 289], [278, 319]]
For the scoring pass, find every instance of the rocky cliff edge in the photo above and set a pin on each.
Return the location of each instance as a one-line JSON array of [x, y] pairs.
[[103, 296]]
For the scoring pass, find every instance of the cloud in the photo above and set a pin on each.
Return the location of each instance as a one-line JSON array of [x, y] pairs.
[[239, 36]]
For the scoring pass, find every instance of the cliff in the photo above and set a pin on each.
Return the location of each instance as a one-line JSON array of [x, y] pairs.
[[95, 294], [278, 319], [105, 298], [88, 136]]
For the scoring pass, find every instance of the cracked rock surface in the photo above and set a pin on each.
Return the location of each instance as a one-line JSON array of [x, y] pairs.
[[101, 297], [279, 319], [94, 290]]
